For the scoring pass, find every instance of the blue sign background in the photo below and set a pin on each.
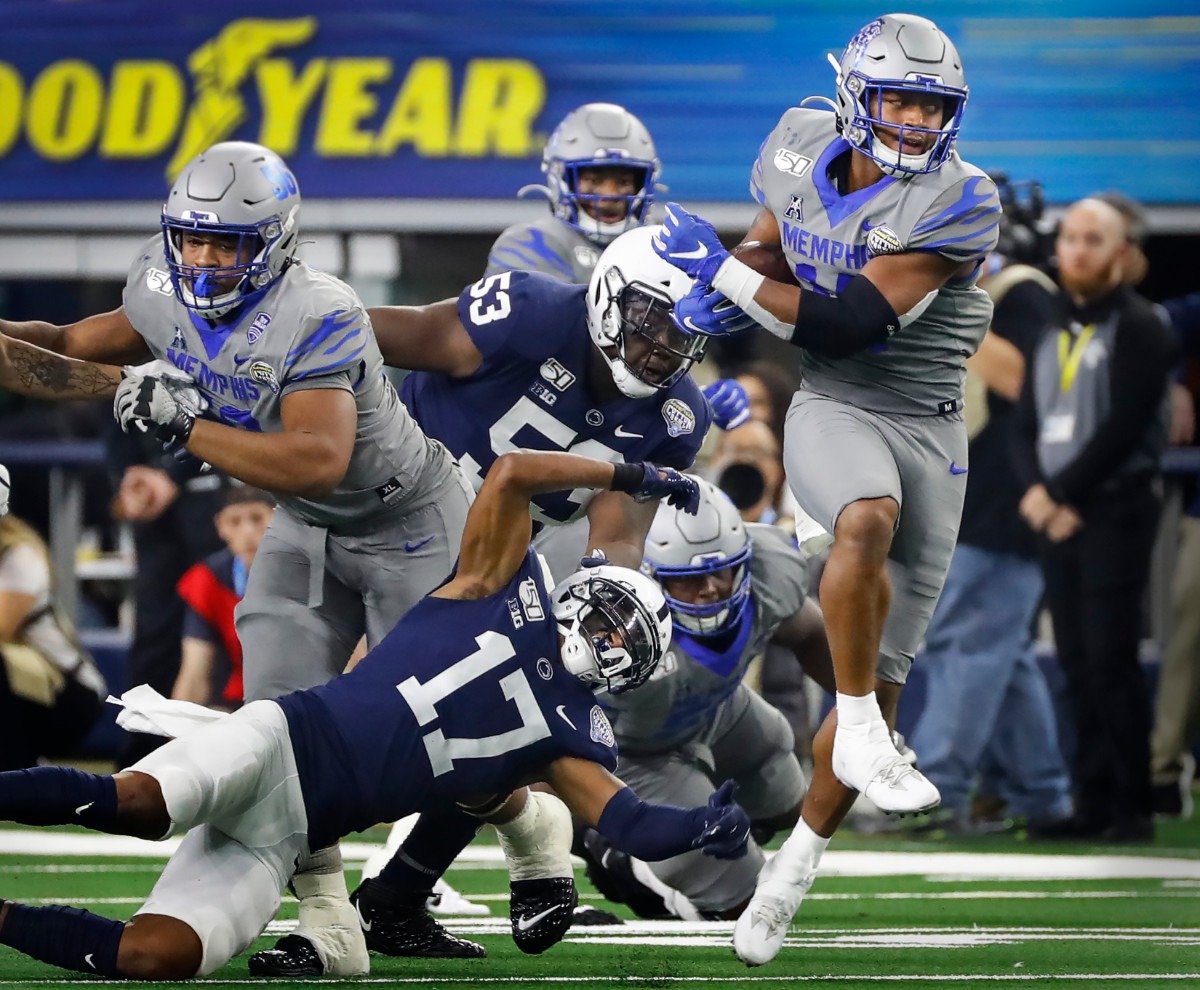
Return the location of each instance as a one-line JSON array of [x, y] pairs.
[[1085, 99]]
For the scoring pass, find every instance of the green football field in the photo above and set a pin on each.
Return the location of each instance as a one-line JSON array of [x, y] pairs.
[[886, 912]]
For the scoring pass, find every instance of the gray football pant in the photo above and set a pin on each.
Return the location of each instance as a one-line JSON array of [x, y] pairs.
[[312, 594], [835, 454]]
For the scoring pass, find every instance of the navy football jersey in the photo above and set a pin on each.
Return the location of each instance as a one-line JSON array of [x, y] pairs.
[[531, 392], [462, 698]]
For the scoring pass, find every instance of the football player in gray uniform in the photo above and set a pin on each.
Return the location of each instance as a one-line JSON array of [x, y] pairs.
[[281, 385], [884, 229], [733, 588], [601, 172]]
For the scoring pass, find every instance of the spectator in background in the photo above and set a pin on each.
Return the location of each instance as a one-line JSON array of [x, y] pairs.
[[210, 670], [769, 389], [50, 691], [1091, 426], [170, 508], [747, 467], [987, 702]]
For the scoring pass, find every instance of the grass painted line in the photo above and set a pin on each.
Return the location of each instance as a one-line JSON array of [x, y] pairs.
[[971, 979], [844, 863]]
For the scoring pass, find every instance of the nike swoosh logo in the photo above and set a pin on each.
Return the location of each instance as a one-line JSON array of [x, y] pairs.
[[84, 807], [524, 924], [700, 252], [410, 547], [691, 327], [955, 469], [620, 431], [561, 709], [88, 959], [240, 360], [366, 925]]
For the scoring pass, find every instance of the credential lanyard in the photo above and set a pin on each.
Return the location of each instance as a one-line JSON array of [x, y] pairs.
[[1070, 354]]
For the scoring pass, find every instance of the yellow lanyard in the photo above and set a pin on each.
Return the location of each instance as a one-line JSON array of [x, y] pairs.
[[1069, 355]]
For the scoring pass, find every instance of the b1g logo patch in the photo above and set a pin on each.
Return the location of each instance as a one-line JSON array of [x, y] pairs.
[[601, 730], [679, 417], [883, 240]]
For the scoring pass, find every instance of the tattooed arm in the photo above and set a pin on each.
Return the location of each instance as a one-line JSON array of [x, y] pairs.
[[29, 370]]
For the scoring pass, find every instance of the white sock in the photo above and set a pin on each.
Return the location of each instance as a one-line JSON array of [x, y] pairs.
[[805, 842], [537, 843], [855, 710]]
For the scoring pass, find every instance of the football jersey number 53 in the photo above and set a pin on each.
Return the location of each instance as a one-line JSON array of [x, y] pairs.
[[493, 650], [491, 297]]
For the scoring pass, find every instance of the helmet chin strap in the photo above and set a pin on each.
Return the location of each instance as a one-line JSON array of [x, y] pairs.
[[577, 655]]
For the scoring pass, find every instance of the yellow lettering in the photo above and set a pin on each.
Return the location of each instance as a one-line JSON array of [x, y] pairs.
[[500, 99], [145, 105], [347, 102], [420, 114], [285, 97], [12, 91], [64, 110]]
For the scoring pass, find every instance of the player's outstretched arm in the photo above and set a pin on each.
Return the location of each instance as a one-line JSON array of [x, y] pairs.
[[649, 831], [425, 338], [498, 528], [107, 338], [29, 370]]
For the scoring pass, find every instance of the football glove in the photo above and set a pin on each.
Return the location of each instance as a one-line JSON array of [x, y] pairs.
[[726, 826], [705, 312], [729, 403], [5, 490], [647, 481], [690, 244], [164, 406]]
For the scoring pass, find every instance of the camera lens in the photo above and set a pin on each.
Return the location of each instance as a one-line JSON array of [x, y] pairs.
[[743, 483]]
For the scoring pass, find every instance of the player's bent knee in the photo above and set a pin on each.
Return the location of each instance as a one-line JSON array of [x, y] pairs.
[[870, 521], [141, 807], [155, 947]]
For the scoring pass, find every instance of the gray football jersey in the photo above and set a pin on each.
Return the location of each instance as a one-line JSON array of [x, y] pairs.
[[828, 238], [547, 245], [309, 330], [692, 680]]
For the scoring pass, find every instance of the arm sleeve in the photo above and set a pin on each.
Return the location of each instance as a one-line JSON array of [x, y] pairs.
[[649, 831], [962, 224], [523, 248], [1141, 361]]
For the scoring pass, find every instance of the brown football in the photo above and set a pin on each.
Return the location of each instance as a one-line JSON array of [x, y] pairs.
[[766, 260]]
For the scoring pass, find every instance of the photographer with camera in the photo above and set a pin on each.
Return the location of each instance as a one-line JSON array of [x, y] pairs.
[[987, 702]]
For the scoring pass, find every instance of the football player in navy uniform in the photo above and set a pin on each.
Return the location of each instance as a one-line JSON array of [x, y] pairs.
[[884, 230], [489, 682]]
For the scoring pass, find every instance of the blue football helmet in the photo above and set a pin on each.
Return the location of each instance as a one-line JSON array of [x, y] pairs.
[[908, 54], [235, 189], [681, 545]]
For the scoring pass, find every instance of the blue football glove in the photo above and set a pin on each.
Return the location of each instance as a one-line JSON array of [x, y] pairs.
[[704, 312], [726, 826], [646, 482], [690, 244], [729, 403]]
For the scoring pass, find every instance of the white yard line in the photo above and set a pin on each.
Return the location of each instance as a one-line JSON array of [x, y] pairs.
[[972, 979]]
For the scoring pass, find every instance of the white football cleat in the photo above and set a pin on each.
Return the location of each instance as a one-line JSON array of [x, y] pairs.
[[448, 901], [865, 759], [760, 930]]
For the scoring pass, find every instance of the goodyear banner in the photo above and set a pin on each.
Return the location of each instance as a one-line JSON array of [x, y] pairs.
[[104, 99]]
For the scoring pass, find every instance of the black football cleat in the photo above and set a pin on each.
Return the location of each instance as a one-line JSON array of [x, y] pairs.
[[293, 955], [541, 911], [395, 930]]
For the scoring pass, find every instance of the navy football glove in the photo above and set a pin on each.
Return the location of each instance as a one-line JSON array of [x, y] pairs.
[[690, 244], [646, 482], [726, 826], [705, 312], [729, 403]]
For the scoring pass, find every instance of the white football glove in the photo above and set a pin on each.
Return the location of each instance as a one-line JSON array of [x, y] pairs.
[[5, 490], [165, 406]]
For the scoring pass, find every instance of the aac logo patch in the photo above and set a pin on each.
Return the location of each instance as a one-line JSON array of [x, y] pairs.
[[601, 729], [679, 417]]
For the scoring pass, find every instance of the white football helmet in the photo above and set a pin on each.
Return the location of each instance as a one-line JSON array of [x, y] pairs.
[[906, 53], [598, 135], [631, 294], [681, 545], [240, 189], [595, 603]]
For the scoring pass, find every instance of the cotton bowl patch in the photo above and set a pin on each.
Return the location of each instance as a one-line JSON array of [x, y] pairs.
[[679, 417], [601, 731], [883, 240]]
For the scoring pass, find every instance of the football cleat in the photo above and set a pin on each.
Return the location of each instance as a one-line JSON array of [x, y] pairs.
[[401, 931], [541, 911], [760, 930], [585, 915], [865, 759], [293, 955]]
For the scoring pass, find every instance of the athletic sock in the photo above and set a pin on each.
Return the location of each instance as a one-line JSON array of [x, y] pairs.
[[855, 710], [64, 936], [59, 796], [433, 844]]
